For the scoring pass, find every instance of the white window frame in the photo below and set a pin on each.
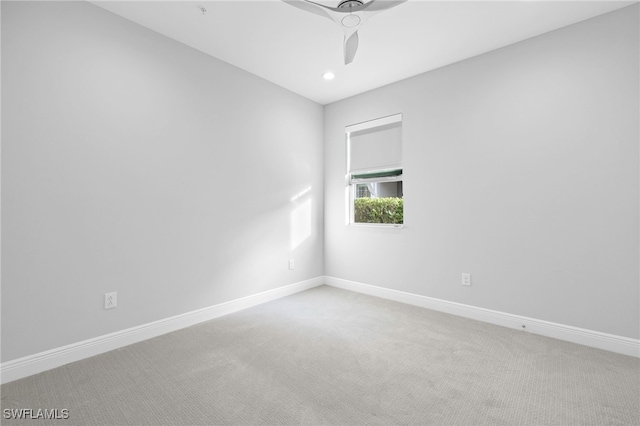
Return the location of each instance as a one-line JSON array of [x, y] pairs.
[[353, 183]]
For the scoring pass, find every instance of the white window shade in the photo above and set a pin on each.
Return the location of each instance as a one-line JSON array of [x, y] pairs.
[[377, 148]]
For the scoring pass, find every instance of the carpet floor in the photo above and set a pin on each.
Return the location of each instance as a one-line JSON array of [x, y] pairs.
[[329, 356]]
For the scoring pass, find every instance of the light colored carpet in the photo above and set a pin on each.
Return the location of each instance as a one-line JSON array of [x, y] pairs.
[[328, 356]]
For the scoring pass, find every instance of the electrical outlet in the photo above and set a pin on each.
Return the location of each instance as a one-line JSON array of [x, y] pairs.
[[110, 300], [291, 264], [466, 279]]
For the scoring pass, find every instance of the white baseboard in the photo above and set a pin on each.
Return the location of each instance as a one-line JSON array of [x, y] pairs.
[[595, 339], [33, 364]]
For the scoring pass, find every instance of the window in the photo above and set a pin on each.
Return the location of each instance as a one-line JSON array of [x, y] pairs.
[[375, 172]]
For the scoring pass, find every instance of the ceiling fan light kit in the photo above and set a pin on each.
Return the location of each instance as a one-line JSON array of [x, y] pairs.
[[351, 21], [350, 15]]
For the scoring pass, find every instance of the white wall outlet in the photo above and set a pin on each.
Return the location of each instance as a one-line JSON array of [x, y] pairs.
[[291, 264], [110, 300], [466, 279]]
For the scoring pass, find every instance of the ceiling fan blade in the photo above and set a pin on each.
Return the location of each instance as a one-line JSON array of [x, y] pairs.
[[350, 17], [379, 6], [350, 47], [312, 7]]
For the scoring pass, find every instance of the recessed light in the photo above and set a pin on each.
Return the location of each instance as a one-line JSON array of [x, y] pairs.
[[328, 75]]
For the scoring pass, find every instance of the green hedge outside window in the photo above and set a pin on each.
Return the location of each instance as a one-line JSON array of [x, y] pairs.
[[379, 210]]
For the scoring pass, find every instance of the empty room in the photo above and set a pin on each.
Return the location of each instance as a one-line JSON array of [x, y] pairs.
[[320, 212]]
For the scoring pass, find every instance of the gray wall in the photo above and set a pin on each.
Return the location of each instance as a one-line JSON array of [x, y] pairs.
[[521, 168], [135, 164]]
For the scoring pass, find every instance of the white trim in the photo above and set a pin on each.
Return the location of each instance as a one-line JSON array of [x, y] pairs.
[[376, 225], [595, 339], [33, 364], [390, 119]]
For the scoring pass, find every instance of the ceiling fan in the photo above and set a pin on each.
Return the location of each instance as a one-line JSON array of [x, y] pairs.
[[350, 15]]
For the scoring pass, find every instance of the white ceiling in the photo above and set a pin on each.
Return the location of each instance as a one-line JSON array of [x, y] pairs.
[[292, 48]]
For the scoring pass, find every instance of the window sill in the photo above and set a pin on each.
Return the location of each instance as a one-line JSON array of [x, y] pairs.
[[377, 225]]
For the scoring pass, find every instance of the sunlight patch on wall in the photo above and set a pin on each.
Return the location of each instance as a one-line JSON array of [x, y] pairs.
[[301, 218]]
